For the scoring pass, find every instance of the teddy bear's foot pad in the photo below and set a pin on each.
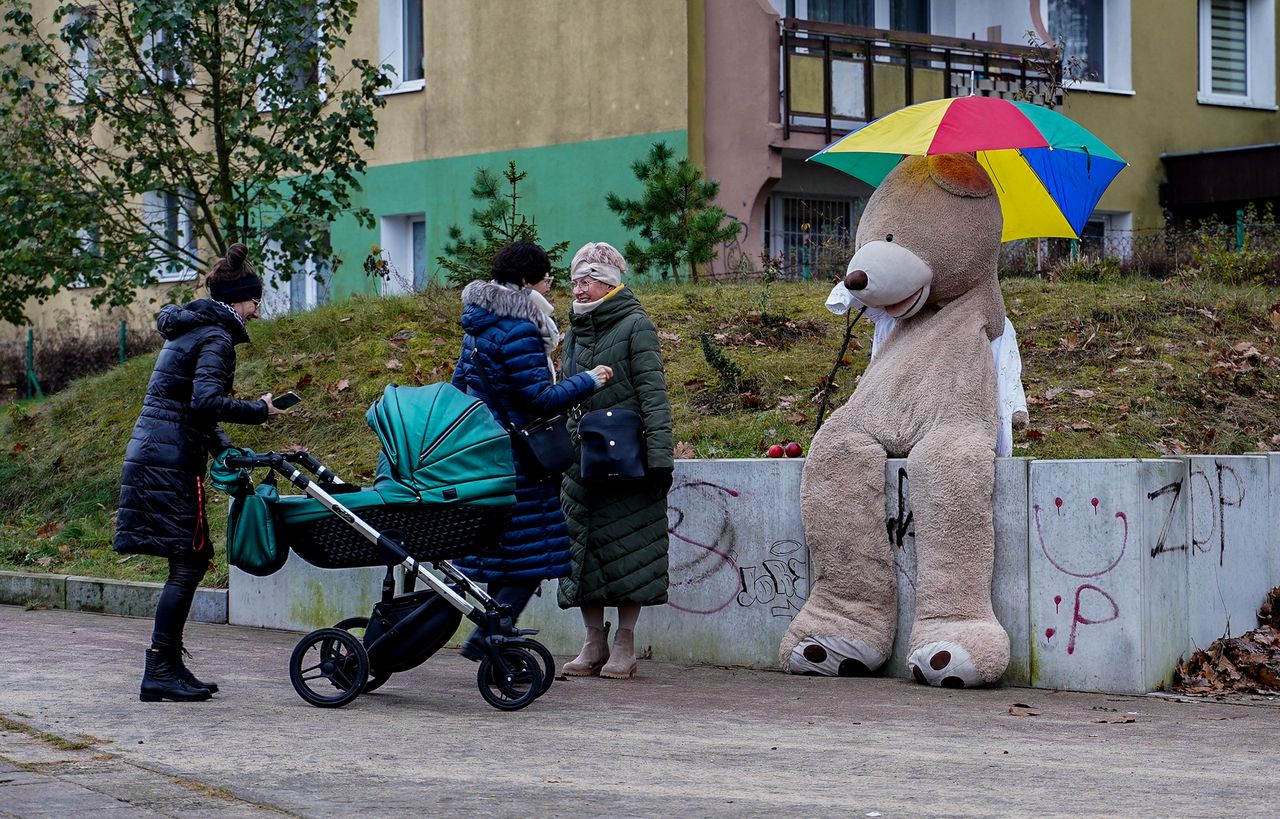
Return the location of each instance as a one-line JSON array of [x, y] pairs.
[[834, 657], [945, 664]]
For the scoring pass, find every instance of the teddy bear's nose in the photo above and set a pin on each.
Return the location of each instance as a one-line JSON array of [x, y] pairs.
[[855, 280]]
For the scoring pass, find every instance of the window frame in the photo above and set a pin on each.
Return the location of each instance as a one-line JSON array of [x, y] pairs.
[[391, 42], [1260, 60], [156, 210], [1117, 50], [80, 61]]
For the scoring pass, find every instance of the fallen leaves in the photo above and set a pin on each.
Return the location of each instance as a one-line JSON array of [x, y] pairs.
[[1019, 709], [1248, 664], [684, 449], [394, 364], [1125, 720]]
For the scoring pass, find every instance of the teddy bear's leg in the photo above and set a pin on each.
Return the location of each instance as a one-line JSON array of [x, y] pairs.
[[956, 640], [846, 626]]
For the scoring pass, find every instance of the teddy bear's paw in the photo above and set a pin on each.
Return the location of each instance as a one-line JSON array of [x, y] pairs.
[[834, 657], [944, 663]]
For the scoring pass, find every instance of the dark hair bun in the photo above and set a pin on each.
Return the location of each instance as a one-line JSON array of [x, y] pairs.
[[236, 255]]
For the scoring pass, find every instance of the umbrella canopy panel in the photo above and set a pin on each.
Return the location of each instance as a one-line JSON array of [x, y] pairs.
[[1048, 171]]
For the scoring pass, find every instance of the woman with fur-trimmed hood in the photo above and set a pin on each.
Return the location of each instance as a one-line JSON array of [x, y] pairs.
[[507, 334]]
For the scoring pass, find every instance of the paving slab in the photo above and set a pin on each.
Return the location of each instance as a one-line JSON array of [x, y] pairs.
[[677, 739]]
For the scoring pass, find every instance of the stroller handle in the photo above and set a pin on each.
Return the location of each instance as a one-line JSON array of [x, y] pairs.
[[276, 460]]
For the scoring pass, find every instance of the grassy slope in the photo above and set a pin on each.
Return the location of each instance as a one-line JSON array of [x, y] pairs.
[[1111, 371]]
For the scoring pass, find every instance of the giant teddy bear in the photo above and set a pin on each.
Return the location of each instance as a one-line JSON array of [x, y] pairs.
[[926, 251]]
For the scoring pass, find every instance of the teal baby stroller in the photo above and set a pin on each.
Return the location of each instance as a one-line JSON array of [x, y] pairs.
[[444, 488]]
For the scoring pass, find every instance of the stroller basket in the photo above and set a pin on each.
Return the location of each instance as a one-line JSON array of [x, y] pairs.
[[430, 534]]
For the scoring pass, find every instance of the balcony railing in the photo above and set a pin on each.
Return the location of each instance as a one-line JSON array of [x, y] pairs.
[[828, 89]]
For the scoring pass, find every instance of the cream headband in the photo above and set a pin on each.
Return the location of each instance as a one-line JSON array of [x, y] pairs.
[[605, 273]]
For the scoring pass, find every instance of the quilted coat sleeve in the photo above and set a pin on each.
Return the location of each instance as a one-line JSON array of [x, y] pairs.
[[215, 366], [525, 365], [651, 390]]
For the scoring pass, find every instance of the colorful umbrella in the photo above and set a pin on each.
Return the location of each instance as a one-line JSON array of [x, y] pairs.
[[1049, 172]]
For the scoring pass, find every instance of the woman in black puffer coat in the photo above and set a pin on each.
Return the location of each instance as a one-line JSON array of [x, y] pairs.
[[161, 489]]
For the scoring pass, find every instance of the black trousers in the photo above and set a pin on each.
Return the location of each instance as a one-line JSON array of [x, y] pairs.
[[175, 601]]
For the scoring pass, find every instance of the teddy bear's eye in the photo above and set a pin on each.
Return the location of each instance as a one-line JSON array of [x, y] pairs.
[[889, 238]]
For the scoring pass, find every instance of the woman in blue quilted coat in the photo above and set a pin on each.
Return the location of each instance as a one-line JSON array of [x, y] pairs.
[[509, 336]]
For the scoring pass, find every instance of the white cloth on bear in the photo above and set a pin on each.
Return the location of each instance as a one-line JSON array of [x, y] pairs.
[[1004, 354]]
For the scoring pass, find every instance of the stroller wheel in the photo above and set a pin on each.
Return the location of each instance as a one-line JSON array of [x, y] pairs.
[[359, 624], [514, 686], [548, 661], [328, 659]]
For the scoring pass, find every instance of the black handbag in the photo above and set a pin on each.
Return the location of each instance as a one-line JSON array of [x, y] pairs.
[[543, 445], [611, 440], [612, 444]]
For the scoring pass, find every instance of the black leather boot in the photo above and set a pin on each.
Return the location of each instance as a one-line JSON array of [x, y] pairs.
[[160, 681], [187, 677]]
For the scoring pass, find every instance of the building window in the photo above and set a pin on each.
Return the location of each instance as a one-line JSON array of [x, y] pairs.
[[1083, 24], [1237, 53], [173, 235], [83, 49], [305, 67], [400, 41], [165, 61], [1097, 34], [294, 58], [404, 247], [810, 235], [900, 15], [308, 284]]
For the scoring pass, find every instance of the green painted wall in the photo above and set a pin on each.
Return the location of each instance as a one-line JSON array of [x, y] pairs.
[[564, 192]]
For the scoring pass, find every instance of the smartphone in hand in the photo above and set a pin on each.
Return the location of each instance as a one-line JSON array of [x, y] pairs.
[[286, 399]]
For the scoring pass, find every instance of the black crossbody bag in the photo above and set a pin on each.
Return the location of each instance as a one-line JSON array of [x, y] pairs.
[[612, 440], [544, 445]]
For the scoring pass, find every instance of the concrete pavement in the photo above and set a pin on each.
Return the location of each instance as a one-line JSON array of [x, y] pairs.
[[686, 741]]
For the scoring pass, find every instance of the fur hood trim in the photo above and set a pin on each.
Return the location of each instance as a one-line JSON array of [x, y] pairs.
[[501, 301]]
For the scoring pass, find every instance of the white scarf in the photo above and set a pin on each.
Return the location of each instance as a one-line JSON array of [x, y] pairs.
[[550, 332]]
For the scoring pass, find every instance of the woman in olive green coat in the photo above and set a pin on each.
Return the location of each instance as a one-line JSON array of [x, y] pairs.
[[617, 531]]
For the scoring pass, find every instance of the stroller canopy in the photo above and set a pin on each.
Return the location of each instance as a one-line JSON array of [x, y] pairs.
[[440, 445]]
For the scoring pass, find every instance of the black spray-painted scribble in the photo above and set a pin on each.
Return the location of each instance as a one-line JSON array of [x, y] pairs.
[[1218, 505], [1162, 542], [780, 582], [899, 525]]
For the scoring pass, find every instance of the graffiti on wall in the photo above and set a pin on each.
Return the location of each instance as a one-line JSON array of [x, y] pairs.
[[711, 564], [1089, 559]]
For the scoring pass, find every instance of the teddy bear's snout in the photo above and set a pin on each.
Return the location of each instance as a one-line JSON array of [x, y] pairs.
[[856, 279]]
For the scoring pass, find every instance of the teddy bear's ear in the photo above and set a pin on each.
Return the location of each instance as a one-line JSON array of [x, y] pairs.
[[960, 174]]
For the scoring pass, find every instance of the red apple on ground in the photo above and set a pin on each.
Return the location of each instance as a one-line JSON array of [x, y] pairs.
[[793, 450], [775, 451]]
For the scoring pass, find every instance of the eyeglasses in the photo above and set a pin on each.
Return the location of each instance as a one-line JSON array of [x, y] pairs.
[[585, 282], [256, 302]]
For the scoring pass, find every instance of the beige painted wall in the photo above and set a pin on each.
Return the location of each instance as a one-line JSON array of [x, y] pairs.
[[71, 311], [1162, 115], [502, 74]]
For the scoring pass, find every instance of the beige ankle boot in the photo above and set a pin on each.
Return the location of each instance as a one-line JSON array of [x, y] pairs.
[[594, 654], [622, 662]]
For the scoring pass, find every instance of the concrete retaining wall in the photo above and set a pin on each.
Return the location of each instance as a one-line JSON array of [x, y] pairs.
[[130, 599], [1106, 571]]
